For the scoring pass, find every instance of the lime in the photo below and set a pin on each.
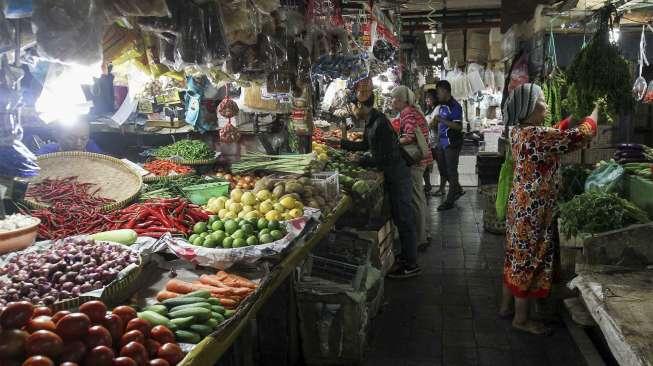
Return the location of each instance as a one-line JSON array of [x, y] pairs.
[[239, 243], [273, 224], [263, 232], [217, 225], [210, 242], [238, 234], [247, 229], [228, 242], [265, 238], [276, 234], [230, 226], [212, 219], [219, 236], [262, 224], [200, 227], [204, 234], [192, 238], [199, 241], [252, 240]]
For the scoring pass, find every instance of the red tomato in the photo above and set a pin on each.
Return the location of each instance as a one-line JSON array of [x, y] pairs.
[[136, 352], [12, 343], [132, 336], [152, 347], [38, 361], [98, 336], [95, 310], [42, 310], [99, 356], [162, 334], [138, 324], [73, 351], [73, 326], [42, 322], [126, 313], [124, 361], [159, 362], [114, 325], [58, 315], [16, 315], [45, 343], [171, 352]]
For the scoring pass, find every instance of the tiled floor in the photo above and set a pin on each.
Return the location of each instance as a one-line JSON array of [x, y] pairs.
[[447, 316]]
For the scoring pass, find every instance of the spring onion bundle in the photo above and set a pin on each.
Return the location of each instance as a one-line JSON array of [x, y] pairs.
[[290, 164]]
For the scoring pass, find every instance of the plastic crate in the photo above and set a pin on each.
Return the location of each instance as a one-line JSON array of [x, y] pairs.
[[351, 276], [328, 183], [347, 247]]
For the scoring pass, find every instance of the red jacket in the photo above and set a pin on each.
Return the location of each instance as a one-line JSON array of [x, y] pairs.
[[410, 119]]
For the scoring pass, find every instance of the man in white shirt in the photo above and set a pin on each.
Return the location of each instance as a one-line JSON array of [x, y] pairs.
[[431, 112]]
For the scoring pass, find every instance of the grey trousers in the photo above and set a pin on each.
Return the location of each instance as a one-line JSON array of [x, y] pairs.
[[448, 161], [420, 207]]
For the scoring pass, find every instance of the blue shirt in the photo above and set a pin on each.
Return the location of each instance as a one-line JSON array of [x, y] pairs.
[[451, 111], [91, 146]]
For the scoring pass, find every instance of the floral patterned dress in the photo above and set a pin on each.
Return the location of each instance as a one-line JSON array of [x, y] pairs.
[[529, 227]]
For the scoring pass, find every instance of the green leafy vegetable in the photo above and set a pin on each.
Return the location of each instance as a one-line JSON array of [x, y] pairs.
[[187, 150]]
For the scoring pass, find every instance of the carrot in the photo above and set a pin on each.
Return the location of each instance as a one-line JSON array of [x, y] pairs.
[[212, 280], [221, 275], [233, 280], [242, 291], [228, 303], [165, 295], [223, 291], [180, 287]]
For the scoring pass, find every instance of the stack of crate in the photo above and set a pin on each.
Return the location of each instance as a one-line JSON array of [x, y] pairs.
[[601, 147]]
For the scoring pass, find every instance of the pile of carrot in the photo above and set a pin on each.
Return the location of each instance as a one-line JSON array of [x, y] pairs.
[[229, 288], [165, 167]]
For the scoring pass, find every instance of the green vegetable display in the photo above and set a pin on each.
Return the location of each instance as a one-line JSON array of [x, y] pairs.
[[291, 164], [187, 150], [554, 88], [573, 181], [172, 187], [599, 71], [596, 212]]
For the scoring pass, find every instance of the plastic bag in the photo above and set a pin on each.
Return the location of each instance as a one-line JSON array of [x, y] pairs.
[[69, 31], [639, 88], [266, 6], [191, 42], [217, 48], [139, 8], [648, 96], [519, 72], [239, 26], [16, 9], [607, 177], [504, 185], [6, 32]]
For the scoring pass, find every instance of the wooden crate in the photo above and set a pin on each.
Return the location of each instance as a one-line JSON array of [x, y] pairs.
[[568, 259], [604, 137], [593, 156], [572, 158]]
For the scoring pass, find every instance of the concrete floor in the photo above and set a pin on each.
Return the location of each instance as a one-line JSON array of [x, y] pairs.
[[447, 316]]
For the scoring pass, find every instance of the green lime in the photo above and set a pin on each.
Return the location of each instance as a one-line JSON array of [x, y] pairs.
[[212, 219], [192, 238], [219, 236], [199, 241], [238, 234], [273, 224], [204, 235], [265, 238], [230, 226], [252, 240], [276, 234], [239, 243], [210, 242], [263, 232], [248, 229], [262, 224], [228, 242], [217, 225], [200, 227]]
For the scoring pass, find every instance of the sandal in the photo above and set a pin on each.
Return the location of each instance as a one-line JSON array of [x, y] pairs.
[[532, 327]]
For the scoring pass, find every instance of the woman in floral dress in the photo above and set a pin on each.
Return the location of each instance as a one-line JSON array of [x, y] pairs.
[[536, 152]]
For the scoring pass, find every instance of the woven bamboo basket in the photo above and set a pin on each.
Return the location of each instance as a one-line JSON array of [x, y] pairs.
[[116, 180]]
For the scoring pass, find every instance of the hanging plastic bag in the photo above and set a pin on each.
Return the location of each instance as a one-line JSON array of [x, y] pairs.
[[504, 185], [69, 31], [607, 177], [191, 42], [6, 32], [217, 48], [16, 9], [648, 96], [139, 8], [519, 73], [640, 87]]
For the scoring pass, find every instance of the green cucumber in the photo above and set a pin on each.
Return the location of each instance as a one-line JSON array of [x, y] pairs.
[[205, 294], [158, 308], [213, 323], [201, 329], [185, 336], [204, 305], [217, 309], [171, 303], [229, 313], [217, 316], [213, 301], [182, 323], [200, 314], [154, 318], [122, 236]]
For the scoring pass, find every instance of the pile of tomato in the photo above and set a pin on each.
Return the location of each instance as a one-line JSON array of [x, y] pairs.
[[94, 336]]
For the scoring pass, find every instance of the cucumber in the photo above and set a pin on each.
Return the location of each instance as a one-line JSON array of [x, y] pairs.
[[217, 316], [213, 301], [154, 318], [181, 300], [201, 329], [182, 323], [185, 336], [122, 236], [158, 308], [213, 323], [200, 314], [229, 313], [217, 309], [204, 305], [205, 294]]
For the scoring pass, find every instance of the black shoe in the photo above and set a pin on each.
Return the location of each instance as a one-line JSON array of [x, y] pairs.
[[405, 271], [446, 206], [458, 195], [438, 193]]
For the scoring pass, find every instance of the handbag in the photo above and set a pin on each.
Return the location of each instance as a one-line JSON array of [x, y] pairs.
[[505, 185], [414, 152]]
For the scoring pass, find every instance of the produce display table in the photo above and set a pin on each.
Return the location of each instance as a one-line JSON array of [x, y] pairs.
[[209, 350], [621, 303], [640, 192]]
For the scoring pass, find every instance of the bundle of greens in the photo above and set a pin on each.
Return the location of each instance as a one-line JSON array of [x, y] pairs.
[[573, 181], [595, 212], [187, 150], [599, 72], [291, 164], [554, 88], [169, 188]]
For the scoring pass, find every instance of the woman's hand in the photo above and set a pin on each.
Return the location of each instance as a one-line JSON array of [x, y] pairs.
[[403, 140], [595, 113]]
